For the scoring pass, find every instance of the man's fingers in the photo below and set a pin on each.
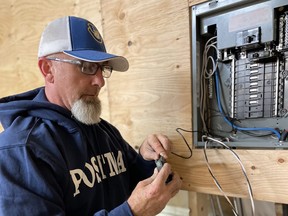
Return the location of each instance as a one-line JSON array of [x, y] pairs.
[[165, 142], [163, 175], [161, 145], [154, 146], [175, 184]]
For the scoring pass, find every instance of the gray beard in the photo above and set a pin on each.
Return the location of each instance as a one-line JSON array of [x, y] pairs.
[[87, 111]]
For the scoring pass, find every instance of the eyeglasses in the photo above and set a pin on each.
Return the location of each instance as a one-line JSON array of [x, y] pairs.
[[89, 68]]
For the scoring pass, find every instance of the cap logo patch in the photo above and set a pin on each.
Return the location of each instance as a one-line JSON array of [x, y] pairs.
[[94, 32]]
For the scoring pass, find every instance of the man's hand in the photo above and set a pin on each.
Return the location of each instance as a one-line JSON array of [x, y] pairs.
[[151, 195], [155, 145]]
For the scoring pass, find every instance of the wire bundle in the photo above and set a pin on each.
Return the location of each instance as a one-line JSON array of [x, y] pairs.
[[210, 139], [206, 74], [226, 118]]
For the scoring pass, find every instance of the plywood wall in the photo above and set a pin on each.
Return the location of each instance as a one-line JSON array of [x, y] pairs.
[[21, 25], [20, 28], [153, 96]]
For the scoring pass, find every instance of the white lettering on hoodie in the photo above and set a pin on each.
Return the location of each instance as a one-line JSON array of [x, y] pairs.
[[95, 168]]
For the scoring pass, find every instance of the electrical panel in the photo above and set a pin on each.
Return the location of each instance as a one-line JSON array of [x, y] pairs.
[[240, 72]]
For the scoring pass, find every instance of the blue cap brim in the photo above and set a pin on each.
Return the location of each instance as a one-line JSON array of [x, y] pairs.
[[118, 63]]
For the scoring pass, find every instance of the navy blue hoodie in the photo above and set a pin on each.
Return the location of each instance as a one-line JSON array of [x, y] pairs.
[[51, 164]]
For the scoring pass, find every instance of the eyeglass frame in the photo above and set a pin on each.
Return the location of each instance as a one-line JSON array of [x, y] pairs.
[[105, 69]]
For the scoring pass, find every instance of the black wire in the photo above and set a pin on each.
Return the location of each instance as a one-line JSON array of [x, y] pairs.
[[284, 135], [188, 146]]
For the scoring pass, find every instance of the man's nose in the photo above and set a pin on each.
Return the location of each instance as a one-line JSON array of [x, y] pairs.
[[98, 79]]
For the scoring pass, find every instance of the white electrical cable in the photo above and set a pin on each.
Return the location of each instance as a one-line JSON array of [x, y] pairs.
[[206, 61], [204, 75], [209, 139]]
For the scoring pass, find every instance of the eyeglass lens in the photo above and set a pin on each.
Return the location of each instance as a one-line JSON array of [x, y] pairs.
[[92, 68], [89, 68]]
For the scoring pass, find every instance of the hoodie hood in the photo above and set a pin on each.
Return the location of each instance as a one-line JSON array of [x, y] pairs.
[[32, 103]]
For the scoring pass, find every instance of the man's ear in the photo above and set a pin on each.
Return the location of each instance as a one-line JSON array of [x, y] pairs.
[[45, 67]]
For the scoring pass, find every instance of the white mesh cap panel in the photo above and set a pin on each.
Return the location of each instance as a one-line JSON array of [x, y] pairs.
[[55, 38]]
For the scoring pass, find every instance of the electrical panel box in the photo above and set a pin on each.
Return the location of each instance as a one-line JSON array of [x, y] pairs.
[[240, 72]]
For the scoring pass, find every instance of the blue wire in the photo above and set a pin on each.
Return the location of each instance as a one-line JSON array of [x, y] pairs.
[[230, 123]]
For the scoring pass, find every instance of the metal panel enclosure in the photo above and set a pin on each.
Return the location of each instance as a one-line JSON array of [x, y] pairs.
[[240, 72]]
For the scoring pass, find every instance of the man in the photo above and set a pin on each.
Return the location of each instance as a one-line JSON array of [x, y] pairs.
[[57, 156]]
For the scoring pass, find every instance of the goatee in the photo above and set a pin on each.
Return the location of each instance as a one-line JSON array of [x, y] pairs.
[[87, 110]]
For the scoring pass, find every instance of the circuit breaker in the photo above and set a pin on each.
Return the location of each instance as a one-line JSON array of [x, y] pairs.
[[240, 72]]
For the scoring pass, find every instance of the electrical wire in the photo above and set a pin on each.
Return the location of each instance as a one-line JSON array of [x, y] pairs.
[[206, 74], [206, 58], [249, 133], [217, 114], [212, 205], [209, 139], [229, 122], [188, 146], [256, 134], [219, 206]]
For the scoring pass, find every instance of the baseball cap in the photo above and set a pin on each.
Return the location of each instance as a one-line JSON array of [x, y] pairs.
[[79, 38]]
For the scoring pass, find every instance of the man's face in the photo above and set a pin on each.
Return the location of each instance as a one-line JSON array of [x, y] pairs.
[[77, 91]]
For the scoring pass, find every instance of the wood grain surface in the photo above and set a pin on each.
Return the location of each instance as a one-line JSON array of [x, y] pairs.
[[266, 171], [153, 96]]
